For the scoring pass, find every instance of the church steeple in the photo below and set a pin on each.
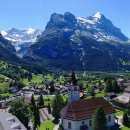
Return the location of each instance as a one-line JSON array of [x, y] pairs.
[[74, 90]]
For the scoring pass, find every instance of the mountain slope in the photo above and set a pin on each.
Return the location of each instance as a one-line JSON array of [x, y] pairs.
[[7, 51], [92, 43], [21, 39]]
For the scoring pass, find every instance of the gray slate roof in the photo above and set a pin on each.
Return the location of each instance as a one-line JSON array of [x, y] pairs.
[[10, 122]]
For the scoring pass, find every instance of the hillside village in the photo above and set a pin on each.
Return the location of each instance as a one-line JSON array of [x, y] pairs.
[[71, 93]]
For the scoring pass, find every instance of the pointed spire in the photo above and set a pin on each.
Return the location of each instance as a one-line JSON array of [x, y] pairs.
[[73, 78]]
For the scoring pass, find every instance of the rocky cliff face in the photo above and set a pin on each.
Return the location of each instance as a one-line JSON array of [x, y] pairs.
[[21, 39], [92, 43]]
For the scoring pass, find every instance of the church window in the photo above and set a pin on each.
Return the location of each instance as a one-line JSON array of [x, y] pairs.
[[75, 88], [69, 125], [109, 118], [90, 122], [83, 122]]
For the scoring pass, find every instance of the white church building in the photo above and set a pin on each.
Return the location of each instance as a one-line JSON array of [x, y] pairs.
[[78, 113]]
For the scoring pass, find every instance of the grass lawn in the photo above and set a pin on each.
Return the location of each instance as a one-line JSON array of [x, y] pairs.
[[124, 128], [4, 85], [47, 124], [100, 94], [2, 76], [36, 79], [119, 113], [6, 95]]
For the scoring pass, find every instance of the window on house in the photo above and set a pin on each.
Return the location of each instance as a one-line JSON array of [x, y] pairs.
[[75, 88], [109, 118], [90, 122], [83, 122], [69, 125]]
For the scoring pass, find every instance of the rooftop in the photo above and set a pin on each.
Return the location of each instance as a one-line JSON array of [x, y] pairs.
[[124, 98], [85, 108], [10, 122]]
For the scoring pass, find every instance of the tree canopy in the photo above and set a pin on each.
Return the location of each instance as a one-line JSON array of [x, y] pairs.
[[99, 120]]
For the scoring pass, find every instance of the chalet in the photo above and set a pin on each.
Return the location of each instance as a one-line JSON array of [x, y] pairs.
[[127, 90], [78, 113], [121, 101]]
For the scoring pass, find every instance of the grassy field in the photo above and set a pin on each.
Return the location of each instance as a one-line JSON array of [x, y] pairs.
[[2, 76], [6, 95], [119, 113], [4, 85], [36, 79], [124, 128], [100, 94], [46, 124], [49, 99]]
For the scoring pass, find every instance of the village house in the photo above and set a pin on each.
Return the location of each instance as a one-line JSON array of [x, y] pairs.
[[78, 113], [121, 101]]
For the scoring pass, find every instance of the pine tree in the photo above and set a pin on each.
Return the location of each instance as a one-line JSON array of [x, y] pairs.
[[38, 117], [115, 86], [99, 121], [58, 104], [73, 78], [35, 117], [36, 113], [91, 91], [108, 86], [32, 100], [41, 101], [128, 108], [49, 108], [126, 120]]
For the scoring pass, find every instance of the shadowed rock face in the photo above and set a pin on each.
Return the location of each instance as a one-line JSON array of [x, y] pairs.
[[7, 51], [92, 43]]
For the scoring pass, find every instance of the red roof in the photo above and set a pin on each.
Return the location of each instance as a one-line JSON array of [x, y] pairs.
[[85, 108]]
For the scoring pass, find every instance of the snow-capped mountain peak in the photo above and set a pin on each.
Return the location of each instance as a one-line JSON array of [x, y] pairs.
[[30, 31], [21, 38], [4, 33], [101, 28], [97, 15]]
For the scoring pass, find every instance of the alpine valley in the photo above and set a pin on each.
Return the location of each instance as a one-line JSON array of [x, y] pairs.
[[91, 43]]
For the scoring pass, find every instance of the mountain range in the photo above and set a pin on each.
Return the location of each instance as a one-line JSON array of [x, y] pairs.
[[91, 43], [21, 39]]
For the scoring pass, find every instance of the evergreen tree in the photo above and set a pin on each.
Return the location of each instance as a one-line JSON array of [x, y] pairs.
[[58, 104], [38, 117], [99, 121], [52, 89], [73, 78], [32, 100], [108, 87], [91, 91], [41, 101], [125, 120], [37, 121], [35, 117], [128, 108], [49, 108], [115, 86]]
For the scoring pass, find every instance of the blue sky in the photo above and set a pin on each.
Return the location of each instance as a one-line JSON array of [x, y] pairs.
[[23, 14]]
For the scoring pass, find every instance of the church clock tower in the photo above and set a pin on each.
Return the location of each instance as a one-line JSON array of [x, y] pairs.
[[74, 90]]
